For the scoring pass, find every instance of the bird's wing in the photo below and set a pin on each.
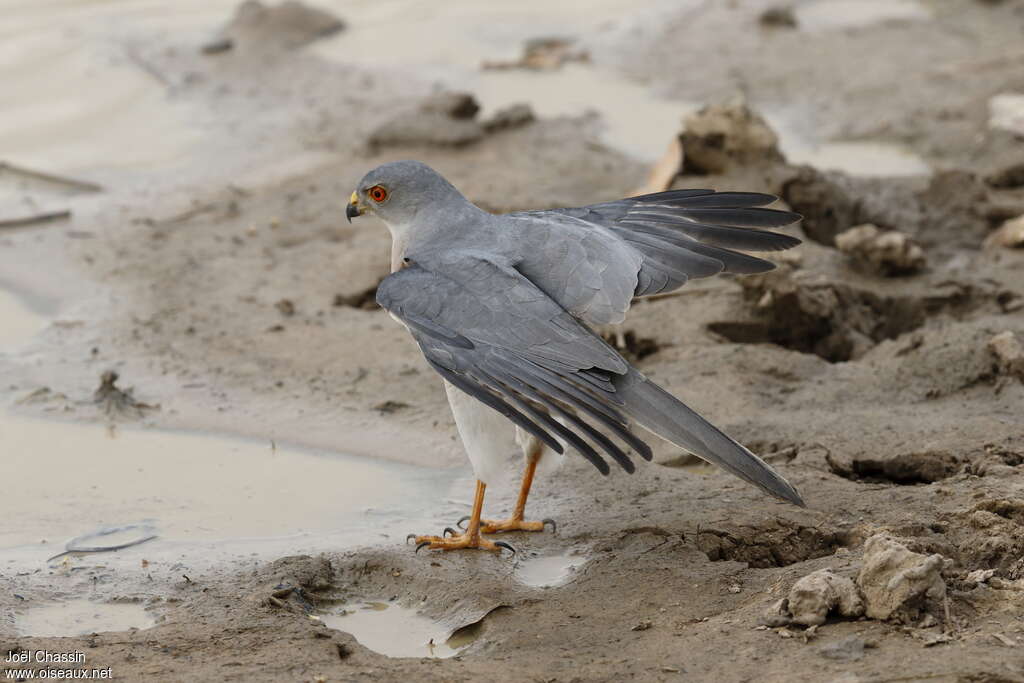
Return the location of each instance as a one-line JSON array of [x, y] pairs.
[[673, 237], [495, 335]]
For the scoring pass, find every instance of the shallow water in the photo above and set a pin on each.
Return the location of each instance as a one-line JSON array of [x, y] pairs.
[[48, 50], [825, 15], [80, 617], [19, 322], [48, 47], [397, 631], [856, 158], [202, 492]]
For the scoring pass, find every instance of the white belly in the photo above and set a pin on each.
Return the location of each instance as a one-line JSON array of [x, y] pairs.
[[490, 438]]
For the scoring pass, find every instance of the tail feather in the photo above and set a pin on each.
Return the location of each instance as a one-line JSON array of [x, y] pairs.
[[658, 411]]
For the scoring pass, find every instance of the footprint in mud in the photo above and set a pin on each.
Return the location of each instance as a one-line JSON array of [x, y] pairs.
[[397, 631], [548, 571]]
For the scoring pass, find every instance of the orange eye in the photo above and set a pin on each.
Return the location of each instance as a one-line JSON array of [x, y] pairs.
[[378, 193]]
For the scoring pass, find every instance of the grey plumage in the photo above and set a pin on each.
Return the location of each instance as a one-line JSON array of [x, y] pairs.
[[500, 305]]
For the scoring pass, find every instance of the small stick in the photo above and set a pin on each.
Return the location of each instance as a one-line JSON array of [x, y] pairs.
[[51, 177], [35, 220], [138, 61], [664, 171]]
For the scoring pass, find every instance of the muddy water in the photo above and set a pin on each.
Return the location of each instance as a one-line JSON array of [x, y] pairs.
[[81, 617], [47, 48], [397, 631], [204, 495]]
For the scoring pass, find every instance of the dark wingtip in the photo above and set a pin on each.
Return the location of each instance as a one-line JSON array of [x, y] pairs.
[[789, 494]]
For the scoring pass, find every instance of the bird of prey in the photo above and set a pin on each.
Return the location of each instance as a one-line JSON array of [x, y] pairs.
[[501, 307]]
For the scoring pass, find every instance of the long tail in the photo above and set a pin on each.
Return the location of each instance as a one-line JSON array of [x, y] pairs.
[[660, 412]]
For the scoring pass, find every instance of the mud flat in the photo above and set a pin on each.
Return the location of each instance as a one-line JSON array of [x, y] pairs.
[[279, 435]]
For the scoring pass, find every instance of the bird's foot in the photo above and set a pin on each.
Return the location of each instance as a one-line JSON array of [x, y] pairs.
[[491, 526], [458, 541]]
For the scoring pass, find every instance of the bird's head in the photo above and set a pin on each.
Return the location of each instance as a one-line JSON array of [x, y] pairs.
[[395, 192]]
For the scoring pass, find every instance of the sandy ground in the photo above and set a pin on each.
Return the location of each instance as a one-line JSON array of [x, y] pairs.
[[226, 288]]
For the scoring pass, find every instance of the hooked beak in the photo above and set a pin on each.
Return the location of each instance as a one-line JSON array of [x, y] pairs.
[[353, 209]]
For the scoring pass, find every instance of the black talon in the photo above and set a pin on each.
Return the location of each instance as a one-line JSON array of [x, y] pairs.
[[449, 530], [421, 545], [408, 537], [502, 544], [548, 520], [461, 520]]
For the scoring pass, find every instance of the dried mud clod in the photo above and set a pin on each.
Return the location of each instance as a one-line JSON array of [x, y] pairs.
[[897, 582], [888, 253], [781, 16], [829, 319], [776, 544], [1010, 235], [815, 596], [893, 582], [117, 402], [1007, 177], [954, 208], [543, 54], [720, 137], [990, 536], [512, 116], [446, 119], [299, 584], [918, 467], [1009, 354], [286, 26]]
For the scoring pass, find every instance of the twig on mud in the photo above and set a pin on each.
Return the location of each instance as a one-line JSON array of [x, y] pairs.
[[138, 61], [187, 214], [74, 546], [37, 219], [51, 177], [664, 171]]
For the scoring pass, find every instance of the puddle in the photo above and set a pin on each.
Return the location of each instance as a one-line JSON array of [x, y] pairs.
[[827, 15], [633, 118], [194, 488], [19, 322], [863, 158], [50, 121], [467, 32], [398, 631], [544, 572], [60, 127], [81, 617]]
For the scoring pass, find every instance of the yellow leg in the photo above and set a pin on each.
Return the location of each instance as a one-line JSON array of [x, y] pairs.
[[515, 522], [471, 538]]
